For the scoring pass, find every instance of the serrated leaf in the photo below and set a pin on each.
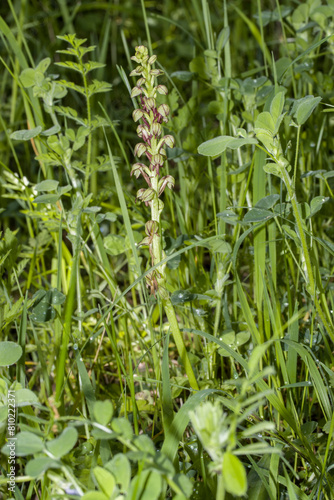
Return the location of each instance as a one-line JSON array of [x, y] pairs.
[[48, 185], [26, 135], [97, 87], [91, 65], [73, 86], [70, 65], [218, 145], [10, 353]]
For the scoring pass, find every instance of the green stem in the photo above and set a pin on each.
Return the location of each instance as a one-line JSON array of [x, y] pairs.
[[89, 121], [306, 253], [167, 304], [179, 342]]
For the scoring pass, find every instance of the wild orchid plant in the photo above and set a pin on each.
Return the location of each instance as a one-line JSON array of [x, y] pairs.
[[150, 130]]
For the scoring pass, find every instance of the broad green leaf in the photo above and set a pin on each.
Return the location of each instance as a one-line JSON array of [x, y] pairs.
[[48, 185], [145, 486], [47, 198], [64, 443], [268, 201], [265, 121], [276, 106], [43, 65], [37, 466], [10, 353], [42, 310], [103, 411], [105, 480], [234, 475], [182, 296], [120, 468], [51, 131], [95, 495], [26, 135], [26, 443], [304, 107], [242, 337], [273, 168], [123, 427], [115, 244], [218, 145], [258, 215], [184, 483], [145, 444], [25, 397], [266, 137], [316, 204], [27, 77]]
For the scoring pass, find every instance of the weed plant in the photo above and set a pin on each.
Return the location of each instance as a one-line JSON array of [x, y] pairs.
[[181, 347]]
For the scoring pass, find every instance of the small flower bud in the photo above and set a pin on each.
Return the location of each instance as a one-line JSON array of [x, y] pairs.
[[141, 82], [139, 130], [163, 152], [145, 241], [137, 71], [169, 140], [151, 227], [156, 72], [167, 181], [146, 195], [135, 58], [163, 110], [141, 50], [152, 59], [156, 129], [137, 114], [140, 149], [145, 133], [136, 91], [150, 103], [140, 193], [162, 89], [157, 161], [137, 169]]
